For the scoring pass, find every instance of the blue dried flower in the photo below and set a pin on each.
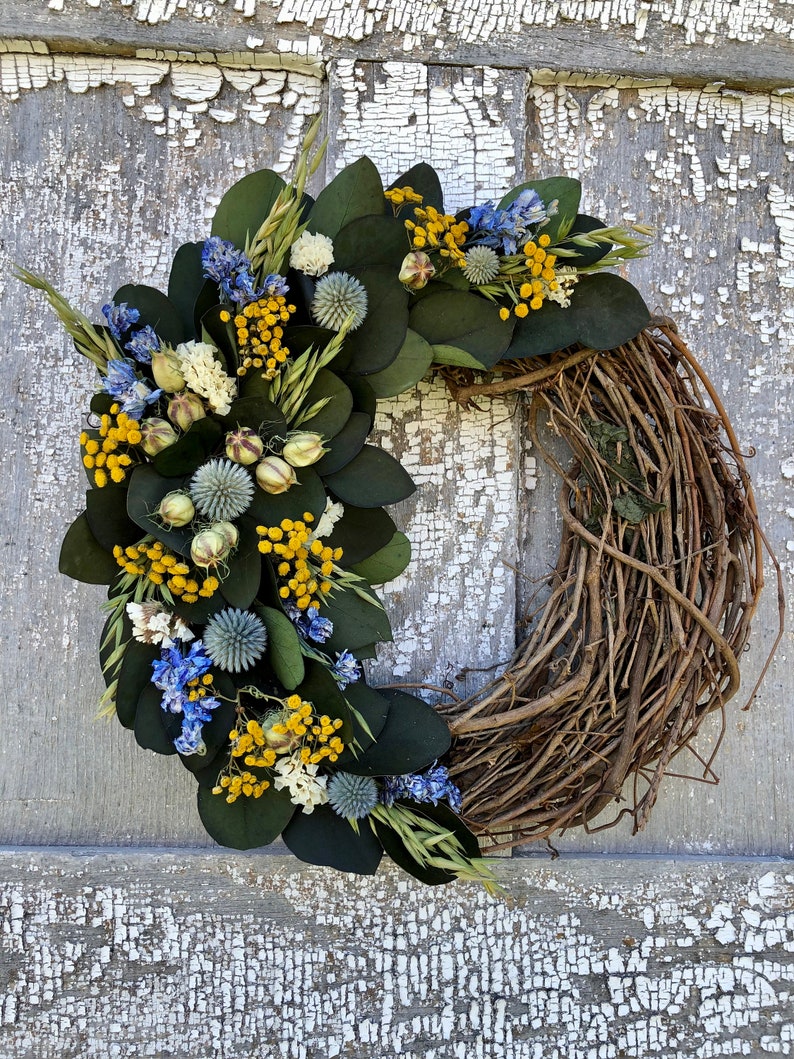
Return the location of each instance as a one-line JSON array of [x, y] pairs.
[[431, 786], [123, 383], [174, 671], [309, 623], [191, 741], [230, 269], [120, 318], [221, 490], [235, 639], [352, 796], [275, 285], [507, 229], [143, 343], [336, 297], [346, 669]]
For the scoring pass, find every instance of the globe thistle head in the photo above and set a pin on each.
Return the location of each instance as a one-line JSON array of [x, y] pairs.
[[234, 639], [336, 297], [221, 490], [482, 265], [352, 796]]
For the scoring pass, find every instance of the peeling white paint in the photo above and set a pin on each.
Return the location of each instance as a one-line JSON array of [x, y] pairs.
[[239, 950], [185, 89], [430, 24]]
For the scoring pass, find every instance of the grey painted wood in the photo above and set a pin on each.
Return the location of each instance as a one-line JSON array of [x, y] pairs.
[[117, 954], [693, 47]]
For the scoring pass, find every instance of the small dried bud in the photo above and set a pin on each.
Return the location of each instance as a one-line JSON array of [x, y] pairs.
[[244, 446], [208, 548], [185, 409], [302, 450], [281, 742], [416, 270], [166, 373], [156, 434], [228, 531], [176, 509], [275, 475]]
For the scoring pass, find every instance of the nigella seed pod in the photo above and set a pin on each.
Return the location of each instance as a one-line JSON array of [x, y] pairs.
[[416, 270], [275, 475], [156, 434], [244, 446], [208, 549], [228, 531], [185, 409], [302, 450], [281, 742], [166, 373], [176, 509]]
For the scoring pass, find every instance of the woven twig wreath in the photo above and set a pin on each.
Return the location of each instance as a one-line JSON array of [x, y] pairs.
[[636, 632]]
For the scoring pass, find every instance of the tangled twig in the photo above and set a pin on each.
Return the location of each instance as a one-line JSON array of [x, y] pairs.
[[649, 605]]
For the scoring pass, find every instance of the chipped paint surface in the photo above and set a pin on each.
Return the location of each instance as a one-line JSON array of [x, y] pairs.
[[113, 955], [463, 519], [176, 97], [420, 22]]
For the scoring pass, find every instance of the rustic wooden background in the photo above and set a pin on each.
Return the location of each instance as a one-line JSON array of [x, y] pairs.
[[121, 124]]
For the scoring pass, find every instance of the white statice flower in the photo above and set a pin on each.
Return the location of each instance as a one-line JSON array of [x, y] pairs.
[[153, 625], [329, 518], [305, 787], [312, 254], [204, 375], [567, 277]]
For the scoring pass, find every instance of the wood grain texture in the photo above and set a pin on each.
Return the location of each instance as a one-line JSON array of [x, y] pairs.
[[119, 954], [691, 43]]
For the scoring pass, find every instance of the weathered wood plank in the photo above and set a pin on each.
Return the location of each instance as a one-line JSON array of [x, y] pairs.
[[115, 954], [745, 45]]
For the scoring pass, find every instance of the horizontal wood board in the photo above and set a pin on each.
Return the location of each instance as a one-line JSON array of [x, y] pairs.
[[114, 954], [745, 44]]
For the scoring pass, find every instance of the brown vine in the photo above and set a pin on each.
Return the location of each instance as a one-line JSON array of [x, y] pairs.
[[639, 627]]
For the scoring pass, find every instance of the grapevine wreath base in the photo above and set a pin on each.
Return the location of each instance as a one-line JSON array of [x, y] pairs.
[[634, 637]]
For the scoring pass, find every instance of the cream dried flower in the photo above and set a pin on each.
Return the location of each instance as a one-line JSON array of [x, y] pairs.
[[153, 625], [204, 375], [305, 787], [567, 277], [312, 254]]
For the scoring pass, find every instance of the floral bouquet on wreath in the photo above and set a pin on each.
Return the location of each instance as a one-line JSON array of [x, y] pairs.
[[237, 513]]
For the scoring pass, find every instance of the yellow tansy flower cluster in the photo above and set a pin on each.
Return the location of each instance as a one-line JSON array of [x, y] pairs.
[[303, 568], [249, 743], [259, 334], [438, 231], [104, 459], [400, 197], [540, 281], [315, 733], [149, 558]]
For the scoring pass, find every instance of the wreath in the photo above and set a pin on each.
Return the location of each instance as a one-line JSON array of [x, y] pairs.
[[237, 514]]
